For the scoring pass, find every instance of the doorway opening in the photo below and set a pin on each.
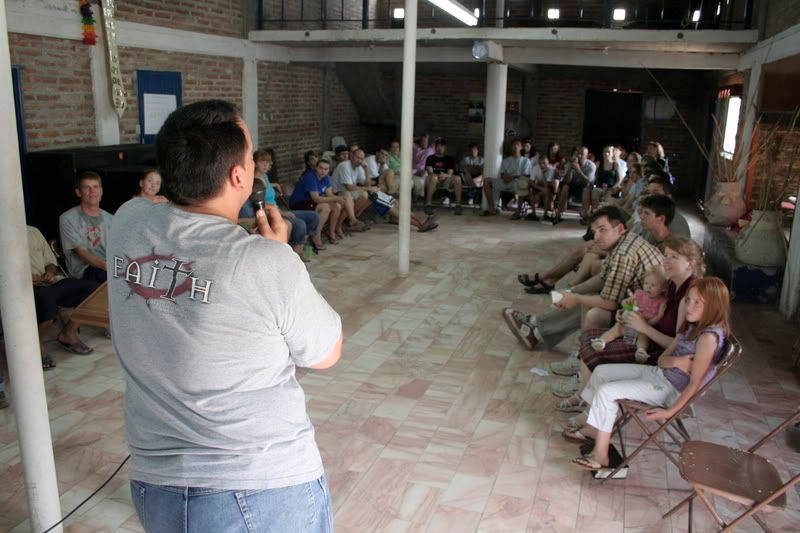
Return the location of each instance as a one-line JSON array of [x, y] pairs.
[[612, 117]]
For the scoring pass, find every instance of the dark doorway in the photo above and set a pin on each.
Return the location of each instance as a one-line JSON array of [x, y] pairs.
[[612, 118]]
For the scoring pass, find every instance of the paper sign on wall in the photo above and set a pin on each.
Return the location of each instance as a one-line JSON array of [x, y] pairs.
[[157, 108]]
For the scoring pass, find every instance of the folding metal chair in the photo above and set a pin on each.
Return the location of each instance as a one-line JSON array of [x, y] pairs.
[[673, 426], [740, 476]]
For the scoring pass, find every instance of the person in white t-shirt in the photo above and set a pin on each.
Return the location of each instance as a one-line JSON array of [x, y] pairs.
[[350, 182], [380, 174], [542, 188]]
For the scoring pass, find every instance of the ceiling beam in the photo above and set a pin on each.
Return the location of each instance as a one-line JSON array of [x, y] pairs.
[[518, 57]]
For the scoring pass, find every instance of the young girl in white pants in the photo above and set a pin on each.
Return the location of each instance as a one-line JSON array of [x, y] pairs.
[[682, 369]]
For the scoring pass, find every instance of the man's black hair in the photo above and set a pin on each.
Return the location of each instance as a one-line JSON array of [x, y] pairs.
[[197, 147], [660, 180], [661, 206], [611, 212]]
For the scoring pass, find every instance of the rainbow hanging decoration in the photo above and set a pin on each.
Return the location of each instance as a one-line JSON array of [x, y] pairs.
[[87, 19]]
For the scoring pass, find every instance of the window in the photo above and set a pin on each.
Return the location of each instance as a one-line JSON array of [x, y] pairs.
[[731, 126]]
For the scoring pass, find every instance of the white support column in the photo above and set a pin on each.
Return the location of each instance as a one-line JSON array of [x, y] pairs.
[[750, 109], [250, 97], [495, 121], [105, 118], [500, 12], [407, 135], [790, 294], [19, 319]]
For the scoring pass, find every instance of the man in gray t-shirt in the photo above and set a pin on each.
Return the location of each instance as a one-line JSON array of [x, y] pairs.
[[84, 231], [515, 172], [209, 323]]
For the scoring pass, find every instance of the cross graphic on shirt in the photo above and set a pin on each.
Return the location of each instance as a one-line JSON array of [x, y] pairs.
[[176, 269]]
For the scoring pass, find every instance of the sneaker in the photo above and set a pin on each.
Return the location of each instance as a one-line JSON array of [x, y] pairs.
[[457, 210], [565, 388], [428, 209], [520, 326], [641, 356], [598, 344], [3, 400], [567, 367]]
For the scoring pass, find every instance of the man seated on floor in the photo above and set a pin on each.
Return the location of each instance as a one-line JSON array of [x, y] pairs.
[[542, 188], [515, 172], [341, 154], [629, 256], [314, 191], [52, 290], [441, 172], [350, 182], [84, 231], [587, 258], [379, 173]]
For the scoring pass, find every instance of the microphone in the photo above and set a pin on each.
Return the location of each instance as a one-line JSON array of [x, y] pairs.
[[257, 196]]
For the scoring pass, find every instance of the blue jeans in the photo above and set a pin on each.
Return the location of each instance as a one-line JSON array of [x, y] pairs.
[[304, 224], [297, 509]]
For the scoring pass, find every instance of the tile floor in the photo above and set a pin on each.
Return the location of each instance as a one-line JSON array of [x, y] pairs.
[[432, 420]]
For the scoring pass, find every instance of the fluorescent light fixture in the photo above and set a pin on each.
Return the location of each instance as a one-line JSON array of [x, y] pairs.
[[399, 13], [477, 12], [696, 16], [619, 14], [719, 8], [457, 10], [553, 13]]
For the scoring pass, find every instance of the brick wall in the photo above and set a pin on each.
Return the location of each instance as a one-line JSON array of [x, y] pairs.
[[562, 98], [57, 91], [290, 109], [216, 17], [442, 104], [772, 168], [202, 77], [290, 103]]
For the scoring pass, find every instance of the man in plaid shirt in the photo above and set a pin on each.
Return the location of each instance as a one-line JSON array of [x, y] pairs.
[[622, 271]]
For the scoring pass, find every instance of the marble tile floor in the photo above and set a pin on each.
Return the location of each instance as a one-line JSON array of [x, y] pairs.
[[432, 420]]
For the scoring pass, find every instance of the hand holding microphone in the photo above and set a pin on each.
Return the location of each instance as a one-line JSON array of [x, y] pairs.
[[269, 222]]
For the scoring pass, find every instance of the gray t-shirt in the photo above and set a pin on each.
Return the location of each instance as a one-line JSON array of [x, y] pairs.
[[679, 227], [209, 323], [79, 230], [516, 166]]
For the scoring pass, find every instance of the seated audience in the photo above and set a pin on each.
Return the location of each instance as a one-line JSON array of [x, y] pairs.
[[542, 188], [314, 192], [650, 302], [658, 186], [303, 223], [608, 175], [309, 161], [52, 290], [150, 185], [472, 166], [578, 175], [379, 173], [684, 366], [654, 152], [629, 256], [350, 182], [84, 231], [683, 263], [393, 159], [515, 172], [422, 151], [441, 172]]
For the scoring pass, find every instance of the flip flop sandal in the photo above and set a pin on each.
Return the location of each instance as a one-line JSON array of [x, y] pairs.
[[48, 363], [588, 463], [568, 405], [76, 347], [544, 289], [576, 436]]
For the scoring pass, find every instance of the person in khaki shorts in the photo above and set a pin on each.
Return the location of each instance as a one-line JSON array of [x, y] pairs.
[[350, 182], [441, 172]]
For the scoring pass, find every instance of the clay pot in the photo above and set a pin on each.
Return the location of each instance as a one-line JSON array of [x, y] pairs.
[[762, 242], [726, 205]]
